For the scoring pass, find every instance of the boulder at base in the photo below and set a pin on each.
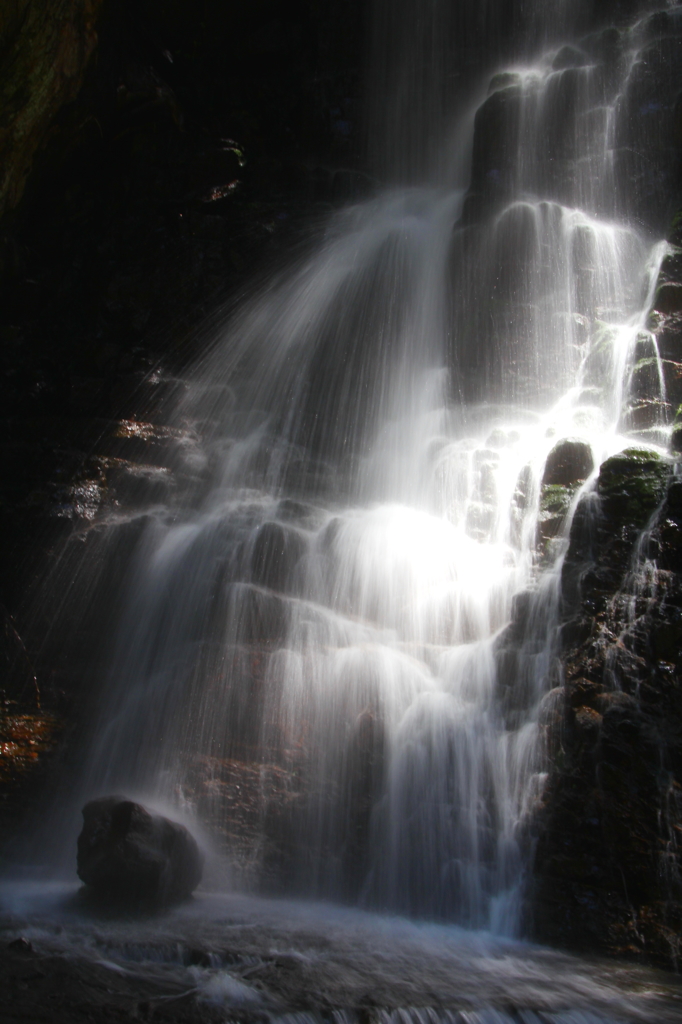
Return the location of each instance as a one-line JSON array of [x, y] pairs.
[[128, 854]]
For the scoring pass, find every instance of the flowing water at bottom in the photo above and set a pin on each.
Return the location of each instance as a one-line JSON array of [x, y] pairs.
[[251, 959]]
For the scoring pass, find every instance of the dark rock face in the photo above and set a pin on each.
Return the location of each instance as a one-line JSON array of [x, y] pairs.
[[128, 854], [607, 524], [607, 869], [276, 550], [43, 56], [569, 462]]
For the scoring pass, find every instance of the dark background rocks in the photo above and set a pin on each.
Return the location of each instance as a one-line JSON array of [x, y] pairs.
[[181, 148]]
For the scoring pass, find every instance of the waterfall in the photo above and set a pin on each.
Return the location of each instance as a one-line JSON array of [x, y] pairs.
[[337, 634]]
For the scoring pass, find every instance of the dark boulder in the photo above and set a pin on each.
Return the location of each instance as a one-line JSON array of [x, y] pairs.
[[649, 377], [496, 138], [569, 462], [275, 552], [606, 524], [630, 486], [128, 854], [669, 297]]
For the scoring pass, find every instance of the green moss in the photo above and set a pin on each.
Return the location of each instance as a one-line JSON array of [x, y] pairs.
[[645, 361], [555, 499], [632, 460], [631, 486]]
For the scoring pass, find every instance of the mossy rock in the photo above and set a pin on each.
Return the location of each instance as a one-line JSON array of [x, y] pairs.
[[631, 486], [555, 501], [569, 462]]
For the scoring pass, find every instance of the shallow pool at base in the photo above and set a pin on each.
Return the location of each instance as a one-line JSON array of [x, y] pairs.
[[304, 962]]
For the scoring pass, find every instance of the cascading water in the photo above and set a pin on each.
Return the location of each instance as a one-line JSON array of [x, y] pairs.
[[337, 632], [314, 655], [323, 606]]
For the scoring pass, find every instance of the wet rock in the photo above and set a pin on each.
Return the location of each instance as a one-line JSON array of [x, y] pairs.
[[551, 722], [669, 336], [646, 127], [669, 298], [44, 54], [139, 486], [523, 488], [569, 462], [555, 501], [609, 807], [583, 692], [127, 853], [260, 616], [671, 267], [646, 414], [631, 485], [676, 438], [671, 370], [651, 376], [137, 441], [587, 723], [646, 380], [645, 347], [496, 130], [480, 519], [503, 79], [569, 57], [274, 555], [290, 510]]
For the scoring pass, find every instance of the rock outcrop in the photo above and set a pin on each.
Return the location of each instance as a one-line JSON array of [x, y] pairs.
[[608, 860], [44, 51], [128, 855]]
